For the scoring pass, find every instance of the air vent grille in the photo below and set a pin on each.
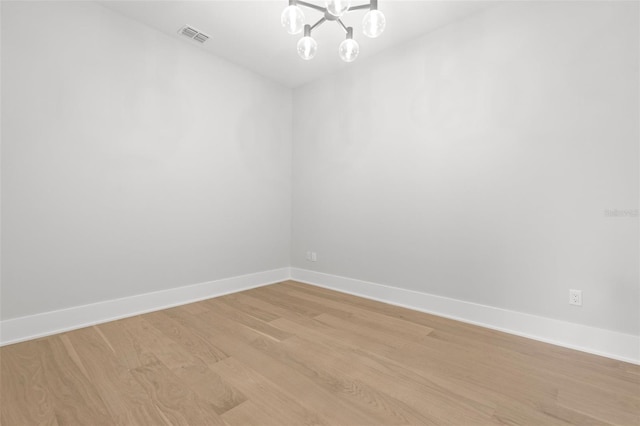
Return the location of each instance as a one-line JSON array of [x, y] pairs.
[[201, 37], [194, 34]]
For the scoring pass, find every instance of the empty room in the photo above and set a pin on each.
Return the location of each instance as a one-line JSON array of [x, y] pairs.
[[320, 212]]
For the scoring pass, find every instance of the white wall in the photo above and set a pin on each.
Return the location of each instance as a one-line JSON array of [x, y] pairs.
[[477, 163], [132, 161]]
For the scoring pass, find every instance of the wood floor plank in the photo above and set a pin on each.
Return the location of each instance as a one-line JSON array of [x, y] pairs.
[[241, 341], [601, 404], [237, 302], [437, 363], [195, 308], [253, 300], [265, 396], [123, 396], [570, 416], [25, 396], [177, 402], [433, 378], [250, 414], [515, 414], [422, 404], [295, 354], [283, 302], [75, 397], [558, 372], [467, 395], [395, 378], [195, 371], [446, 354], [185, 362], [191, 369], [356, 315], [258, 325], [202, 349], [212, 388], [124, 339], [376, 402]]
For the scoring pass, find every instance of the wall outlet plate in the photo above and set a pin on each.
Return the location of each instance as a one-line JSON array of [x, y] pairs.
[[575, 297]]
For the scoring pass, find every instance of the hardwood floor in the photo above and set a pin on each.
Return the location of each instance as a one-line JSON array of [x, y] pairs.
[[293, 354]]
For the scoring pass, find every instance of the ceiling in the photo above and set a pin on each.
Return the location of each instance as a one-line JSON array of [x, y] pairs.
[[248, 33]]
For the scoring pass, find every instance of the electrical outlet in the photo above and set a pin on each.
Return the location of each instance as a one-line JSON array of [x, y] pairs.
[[308, 256], [314, 256], [575, 297]]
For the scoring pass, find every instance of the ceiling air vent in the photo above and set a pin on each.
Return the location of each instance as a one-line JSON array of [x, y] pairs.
[[192, 33], [201, 37]]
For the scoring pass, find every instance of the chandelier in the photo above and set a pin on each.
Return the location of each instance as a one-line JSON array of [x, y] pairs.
[[293, 20]]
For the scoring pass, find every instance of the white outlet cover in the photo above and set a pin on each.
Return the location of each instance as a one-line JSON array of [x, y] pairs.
[[575, 297]]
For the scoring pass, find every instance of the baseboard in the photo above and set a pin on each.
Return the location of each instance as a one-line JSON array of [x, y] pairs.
[[33, 326], [611, 344]]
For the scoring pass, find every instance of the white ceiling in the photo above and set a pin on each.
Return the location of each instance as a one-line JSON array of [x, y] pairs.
[[249, 33]]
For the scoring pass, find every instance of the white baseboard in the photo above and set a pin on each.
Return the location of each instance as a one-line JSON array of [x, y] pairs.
[[33, 326], [611, 344]]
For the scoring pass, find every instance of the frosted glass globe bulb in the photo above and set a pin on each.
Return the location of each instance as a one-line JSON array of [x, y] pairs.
[[337, 7], [292, 19], [307, 48], [373, 23], [349, 50]]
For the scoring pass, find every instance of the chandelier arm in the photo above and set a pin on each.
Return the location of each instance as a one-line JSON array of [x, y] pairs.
[[317, 24], [344, 27], [311, 5], [359, 7]]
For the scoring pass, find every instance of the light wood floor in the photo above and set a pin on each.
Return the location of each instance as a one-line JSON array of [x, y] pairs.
[[292, 354]]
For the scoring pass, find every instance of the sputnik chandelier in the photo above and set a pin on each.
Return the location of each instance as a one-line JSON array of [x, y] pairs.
[[293, 20]]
